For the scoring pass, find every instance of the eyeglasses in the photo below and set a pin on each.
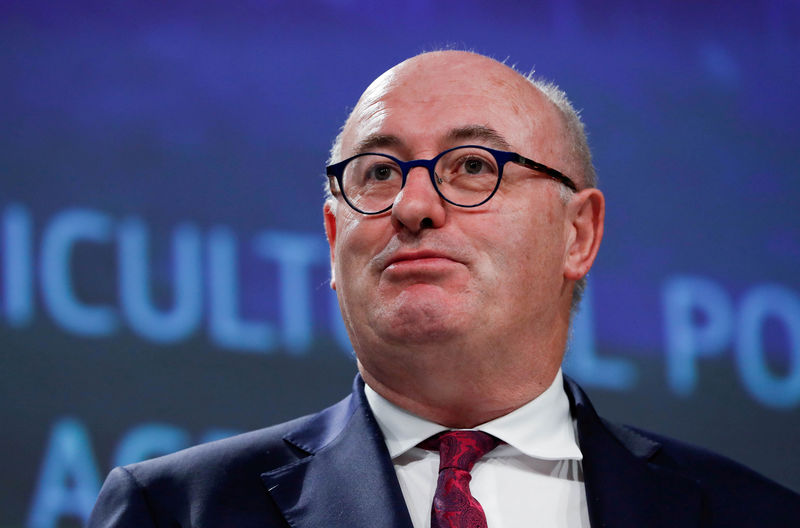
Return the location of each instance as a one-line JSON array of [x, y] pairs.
[[465, 176]]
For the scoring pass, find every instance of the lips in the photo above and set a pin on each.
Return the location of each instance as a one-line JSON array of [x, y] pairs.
[[416, 256]]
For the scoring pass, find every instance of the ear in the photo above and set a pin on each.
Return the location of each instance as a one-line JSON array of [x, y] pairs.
[[587, 211], [329, 217]]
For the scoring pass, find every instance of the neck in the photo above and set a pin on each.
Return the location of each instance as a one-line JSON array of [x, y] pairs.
[[463, 403]]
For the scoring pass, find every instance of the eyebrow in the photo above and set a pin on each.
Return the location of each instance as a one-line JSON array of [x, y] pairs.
[[479, 133], [476, 133], [376, 141]]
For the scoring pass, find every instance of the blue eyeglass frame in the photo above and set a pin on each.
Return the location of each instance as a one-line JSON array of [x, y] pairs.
[[336, 171]]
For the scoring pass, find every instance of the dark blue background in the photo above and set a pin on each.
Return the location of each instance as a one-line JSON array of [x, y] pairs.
[[220, 116]]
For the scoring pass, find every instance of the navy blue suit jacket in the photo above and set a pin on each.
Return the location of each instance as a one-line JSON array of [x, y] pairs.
[[333, 469]]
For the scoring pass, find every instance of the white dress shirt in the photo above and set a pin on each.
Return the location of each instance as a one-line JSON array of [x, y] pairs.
[[534, 479]]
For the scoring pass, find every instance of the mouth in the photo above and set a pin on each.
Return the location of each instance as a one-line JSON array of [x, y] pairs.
[[418, 258]]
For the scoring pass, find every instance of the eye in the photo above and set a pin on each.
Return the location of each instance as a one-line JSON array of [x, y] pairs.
[[380, 172], [474, 165]]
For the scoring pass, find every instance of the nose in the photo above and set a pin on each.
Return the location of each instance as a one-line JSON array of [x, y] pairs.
[[418, 206]]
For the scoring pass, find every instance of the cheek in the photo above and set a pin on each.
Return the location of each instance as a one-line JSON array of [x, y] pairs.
[[357, 241], [526, 245]]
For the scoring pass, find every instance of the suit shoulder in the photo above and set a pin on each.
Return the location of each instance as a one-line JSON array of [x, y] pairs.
[[264, 448], [226, 473], [702, 462], [728, 483]]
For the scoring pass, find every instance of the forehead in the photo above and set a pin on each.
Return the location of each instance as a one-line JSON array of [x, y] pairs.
[[433, 101]]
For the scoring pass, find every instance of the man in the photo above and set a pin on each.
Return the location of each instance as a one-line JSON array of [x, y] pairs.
[[463, 216]]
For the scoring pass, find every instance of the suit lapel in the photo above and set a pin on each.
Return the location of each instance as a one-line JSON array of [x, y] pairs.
[[347, 477], [624, 485]]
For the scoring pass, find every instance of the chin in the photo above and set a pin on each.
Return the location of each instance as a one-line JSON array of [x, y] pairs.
[[422, 335], [420, 321]]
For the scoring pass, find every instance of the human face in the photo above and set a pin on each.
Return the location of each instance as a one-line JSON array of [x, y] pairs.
[[428, 274]]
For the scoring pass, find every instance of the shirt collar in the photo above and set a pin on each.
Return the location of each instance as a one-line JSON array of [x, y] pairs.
[[542, 428]]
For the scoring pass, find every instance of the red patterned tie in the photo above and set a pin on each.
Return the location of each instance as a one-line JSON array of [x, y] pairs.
[[453, 504]]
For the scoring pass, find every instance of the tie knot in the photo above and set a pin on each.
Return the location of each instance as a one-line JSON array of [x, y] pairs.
[[460, 449]]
